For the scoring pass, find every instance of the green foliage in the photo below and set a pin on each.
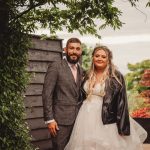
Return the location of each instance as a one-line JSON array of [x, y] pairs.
[[136, 102], [72, 14], [13, 79], [86, 57], [138, 106], [135, 75]]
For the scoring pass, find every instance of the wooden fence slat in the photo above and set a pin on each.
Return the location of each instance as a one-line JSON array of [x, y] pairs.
[[32, 101], [40, 134], [37, 66], [36, 123], [34, 112], [51, 45], [43, 55], [34, 89], [37, 77], [43, 145]]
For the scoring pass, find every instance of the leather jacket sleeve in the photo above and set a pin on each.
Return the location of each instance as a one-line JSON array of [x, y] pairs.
[[123, 122], [83, 94]]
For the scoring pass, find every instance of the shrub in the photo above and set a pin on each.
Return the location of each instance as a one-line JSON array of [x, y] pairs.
[[14, 133]]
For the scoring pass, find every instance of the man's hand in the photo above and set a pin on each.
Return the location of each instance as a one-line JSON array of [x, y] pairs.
[[53, 127]]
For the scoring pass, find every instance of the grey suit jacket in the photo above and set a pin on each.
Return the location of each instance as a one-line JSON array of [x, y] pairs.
[[61, 93]]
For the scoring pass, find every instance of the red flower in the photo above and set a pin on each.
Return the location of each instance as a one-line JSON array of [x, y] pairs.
[[141, 113]]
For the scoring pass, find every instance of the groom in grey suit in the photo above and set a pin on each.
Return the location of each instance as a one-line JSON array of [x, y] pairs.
[[61, 94]]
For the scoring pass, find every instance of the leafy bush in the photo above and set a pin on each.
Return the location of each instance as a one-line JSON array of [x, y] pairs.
[[133, 78], [14, 133], [86, 57], [138, 87], [138, 107]]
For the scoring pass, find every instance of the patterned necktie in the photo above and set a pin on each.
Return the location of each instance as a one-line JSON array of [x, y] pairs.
[[74, 72]]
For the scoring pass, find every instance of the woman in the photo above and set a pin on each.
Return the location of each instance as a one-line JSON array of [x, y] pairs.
[[103, 121]]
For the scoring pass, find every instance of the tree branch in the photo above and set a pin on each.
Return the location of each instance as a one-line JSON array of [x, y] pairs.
[[26, 11]]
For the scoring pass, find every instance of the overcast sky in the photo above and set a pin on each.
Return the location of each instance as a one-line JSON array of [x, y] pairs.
[[130, 44]]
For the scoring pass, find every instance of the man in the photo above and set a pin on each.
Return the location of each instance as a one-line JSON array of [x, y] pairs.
[[61, 94]]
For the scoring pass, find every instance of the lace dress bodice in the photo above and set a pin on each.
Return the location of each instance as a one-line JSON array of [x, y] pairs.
[[97, 89]]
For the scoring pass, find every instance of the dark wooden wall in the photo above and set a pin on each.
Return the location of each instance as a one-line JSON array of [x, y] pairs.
[[41, 53]]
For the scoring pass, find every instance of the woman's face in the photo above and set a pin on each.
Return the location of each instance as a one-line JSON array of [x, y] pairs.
[[100, 59]]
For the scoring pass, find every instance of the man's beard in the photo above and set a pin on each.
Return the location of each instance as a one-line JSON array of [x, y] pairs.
[[72, 61]]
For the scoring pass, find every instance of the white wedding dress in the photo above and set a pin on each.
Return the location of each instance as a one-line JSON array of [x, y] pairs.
[[89, 133]]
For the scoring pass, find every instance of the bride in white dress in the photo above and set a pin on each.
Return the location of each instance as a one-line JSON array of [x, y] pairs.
[[92, 129]]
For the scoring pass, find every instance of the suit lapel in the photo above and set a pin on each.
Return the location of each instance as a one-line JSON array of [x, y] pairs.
[[70, 76], [79, 77]]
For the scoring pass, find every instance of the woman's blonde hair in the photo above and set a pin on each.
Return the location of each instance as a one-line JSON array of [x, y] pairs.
[[108, 72]]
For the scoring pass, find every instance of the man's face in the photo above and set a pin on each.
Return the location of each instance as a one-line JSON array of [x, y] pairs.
[[73, 52]]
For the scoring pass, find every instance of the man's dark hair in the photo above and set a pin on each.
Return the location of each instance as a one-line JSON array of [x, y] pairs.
[[73, 40]]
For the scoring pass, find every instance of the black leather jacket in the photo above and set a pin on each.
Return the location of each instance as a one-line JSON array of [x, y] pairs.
[[115, 106]]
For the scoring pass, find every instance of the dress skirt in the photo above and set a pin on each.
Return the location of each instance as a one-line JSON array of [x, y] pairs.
[[89, 132]]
